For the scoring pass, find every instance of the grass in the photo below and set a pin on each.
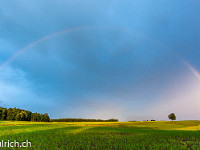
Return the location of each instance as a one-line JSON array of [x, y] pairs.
[[100, 135]]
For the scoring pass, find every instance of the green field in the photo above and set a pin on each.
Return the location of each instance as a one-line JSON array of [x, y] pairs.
[[101, 135]]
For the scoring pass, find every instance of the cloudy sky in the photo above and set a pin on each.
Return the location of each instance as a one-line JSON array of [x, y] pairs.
[[131, 60]]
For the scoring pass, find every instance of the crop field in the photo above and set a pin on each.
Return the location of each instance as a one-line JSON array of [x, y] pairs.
[[103, 135]]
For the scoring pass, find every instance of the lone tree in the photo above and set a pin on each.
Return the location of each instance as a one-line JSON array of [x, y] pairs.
[[172, 116]]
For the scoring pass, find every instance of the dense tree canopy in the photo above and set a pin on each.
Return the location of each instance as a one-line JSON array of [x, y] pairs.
[[22, 115]]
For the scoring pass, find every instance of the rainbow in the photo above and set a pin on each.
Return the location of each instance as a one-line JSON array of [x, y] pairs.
[[194, 70], [68, 31], [37, 42]]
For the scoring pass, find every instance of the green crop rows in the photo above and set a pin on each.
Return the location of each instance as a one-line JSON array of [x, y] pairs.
[[116, 136]]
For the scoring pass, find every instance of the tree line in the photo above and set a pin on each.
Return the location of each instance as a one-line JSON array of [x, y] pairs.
[[17, 114], [82, 120]]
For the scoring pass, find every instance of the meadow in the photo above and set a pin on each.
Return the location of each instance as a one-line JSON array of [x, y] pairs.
[[103, 135]]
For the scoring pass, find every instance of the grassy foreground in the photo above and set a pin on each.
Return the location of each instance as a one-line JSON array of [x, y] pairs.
[[100, 135]]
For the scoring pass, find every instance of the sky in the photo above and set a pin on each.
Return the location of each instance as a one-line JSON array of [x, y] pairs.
[[130, 60]]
